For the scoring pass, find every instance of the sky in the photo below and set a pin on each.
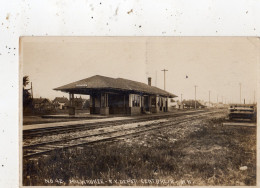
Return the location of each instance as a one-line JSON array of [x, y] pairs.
[[216, 65]]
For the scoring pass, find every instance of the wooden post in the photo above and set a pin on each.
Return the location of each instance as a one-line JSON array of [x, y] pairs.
[[107, 100], [71, 108], [100, 105], [71, 98], [130, 100], [124, 105], [93, 101]]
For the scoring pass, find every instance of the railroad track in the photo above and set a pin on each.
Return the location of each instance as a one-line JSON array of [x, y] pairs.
[[119, 132], [28, 134]]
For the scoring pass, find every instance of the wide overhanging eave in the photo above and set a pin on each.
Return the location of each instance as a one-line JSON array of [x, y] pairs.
[[88, 91]]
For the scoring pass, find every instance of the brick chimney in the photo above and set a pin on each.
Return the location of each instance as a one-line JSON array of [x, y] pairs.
[[149, 81]]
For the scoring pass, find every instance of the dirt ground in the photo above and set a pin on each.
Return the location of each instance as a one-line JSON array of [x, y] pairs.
[[201, 152]]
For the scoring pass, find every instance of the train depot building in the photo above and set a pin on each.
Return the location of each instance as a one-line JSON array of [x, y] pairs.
[[118, 96]]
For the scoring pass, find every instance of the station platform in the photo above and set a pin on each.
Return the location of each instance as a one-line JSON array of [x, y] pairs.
[[79, 122], [95, 119], [76, 116]]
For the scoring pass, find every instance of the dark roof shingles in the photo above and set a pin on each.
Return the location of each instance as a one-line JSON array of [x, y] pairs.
[[61, 99], [40, 100], [99, 82]]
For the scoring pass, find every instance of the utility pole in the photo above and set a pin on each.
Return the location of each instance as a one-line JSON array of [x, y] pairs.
[[156, 78], [195, 97], [209, 97], [240, 92], [254, 96], [164, 70], [31, 91], [181, 98]]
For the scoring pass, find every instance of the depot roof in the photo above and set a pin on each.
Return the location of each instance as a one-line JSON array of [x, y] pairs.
[[97, 82]]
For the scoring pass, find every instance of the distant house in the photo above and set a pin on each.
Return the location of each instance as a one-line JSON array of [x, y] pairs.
[[42, 104], [60, 103], [172, 103]]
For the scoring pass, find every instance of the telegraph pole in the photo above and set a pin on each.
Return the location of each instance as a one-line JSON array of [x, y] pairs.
[[240, 92], [156, 78], [164, 70], [31, 91], [195, 96], [254, 96], [209, 97], [181, 98]]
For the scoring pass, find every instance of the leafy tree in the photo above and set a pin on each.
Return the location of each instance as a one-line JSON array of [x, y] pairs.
[[27, 99], [25, 81]]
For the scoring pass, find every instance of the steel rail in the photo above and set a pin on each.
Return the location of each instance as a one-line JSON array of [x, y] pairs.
[[77, 127], [53, 147]]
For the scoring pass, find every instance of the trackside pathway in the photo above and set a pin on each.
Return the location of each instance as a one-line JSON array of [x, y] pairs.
[[59, 124], [91, 121]]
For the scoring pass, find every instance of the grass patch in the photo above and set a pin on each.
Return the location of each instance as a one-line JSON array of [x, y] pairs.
[[207, 154]]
